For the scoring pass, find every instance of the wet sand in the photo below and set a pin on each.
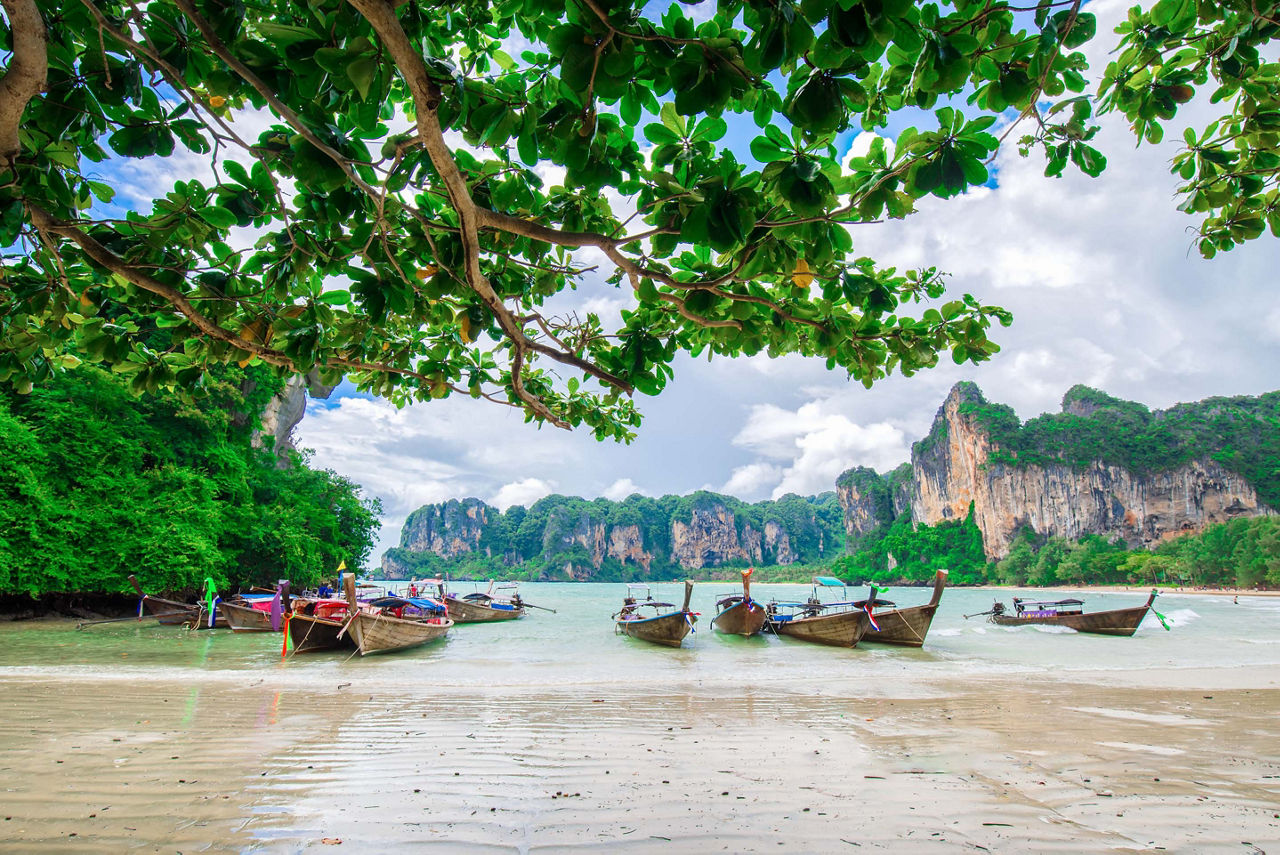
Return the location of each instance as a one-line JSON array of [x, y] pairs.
[[998, 764]]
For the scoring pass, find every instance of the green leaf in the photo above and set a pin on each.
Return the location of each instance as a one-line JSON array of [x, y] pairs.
[[360, 72], [218, 217], [335, 298]]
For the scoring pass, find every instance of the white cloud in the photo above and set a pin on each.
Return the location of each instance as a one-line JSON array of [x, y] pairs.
[[526, 491], [753, 481], [815, 445], [621, 489]]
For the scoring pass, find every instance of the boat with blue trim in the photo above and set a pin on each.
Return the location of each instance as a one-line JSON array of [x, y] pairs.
[[840, 623]]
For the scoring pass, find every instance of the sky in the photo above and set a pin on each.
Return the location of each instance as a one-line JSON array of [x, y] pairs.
[[1102, 276]]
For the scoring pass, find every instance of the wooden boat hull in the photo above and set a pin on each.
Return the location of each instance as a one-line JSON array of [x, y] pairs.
[[462, 611], [177, 614], [843, 629], [669, 629], [245, 618], [386, 634], [1122, 622], [903, 627], [308, 634], [907, 627], [740, 619]]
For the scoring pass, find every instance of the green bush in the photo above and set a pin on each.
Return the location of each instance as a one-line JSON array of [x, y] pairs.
[[96, 484]]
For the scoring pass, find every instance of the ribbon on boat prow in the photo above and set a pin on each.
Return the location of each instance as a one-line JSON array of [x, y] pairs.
[[211, 599], [1164, 622], [871, 601]]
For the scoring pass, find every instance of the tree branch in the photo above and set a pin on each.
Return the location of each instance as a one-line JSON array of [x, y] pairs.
[[426, 95], [26, 76]]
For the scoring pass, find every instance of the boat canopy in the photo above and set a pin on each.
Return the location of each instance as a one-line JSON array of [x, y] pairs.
[[417, 602], [254, 598], [828, 581], [1028, 603]]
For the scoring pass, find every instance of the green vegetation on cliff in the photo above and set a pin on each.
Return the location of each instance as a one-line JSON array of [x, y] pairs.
[[1242, 433], [561, 538], [917, 551], [96, 484]]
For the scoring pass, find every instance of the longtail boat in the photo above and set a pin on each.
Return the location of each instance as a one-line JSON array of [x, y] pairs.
[[391, 623], [838, 624], [317, 624], [906, 627], [257, 612], [650, 620], [1070, 613], [738, 614], [502, 603], [174, 613]]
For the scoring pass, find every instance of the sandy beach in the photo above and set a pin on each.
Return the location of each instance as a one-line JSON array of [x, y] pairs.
[[1026, 765]]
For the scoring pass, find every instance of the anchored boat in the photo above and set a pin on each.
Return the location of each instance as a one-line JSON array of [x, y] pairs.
[[841, 623], [257, 612], [500, 603], [201, 615], [1071, 614], [318, 624], [738, 614], [392, 623], [905, 627], [650, 620]]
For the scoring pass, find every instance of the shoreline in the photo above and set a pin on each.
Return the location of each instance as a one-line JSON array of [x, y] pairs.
[[96, 606]]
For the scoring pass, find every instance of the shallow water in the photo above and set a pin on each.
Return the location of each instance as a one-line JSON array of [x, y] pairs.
[[577, 647], [553, 734]]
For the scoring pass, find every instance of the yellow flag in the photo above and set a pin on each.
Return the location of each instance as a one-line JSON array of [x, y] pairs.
[[342, 565]]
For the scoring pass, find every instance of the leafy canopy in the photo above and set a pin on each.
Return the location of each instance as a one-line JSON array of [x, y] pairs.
[[405, 193]]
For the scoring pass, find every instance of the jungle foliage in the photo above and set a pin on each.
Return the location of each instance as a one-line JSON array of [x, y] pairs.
[[96, 484], [392, 222], [1242, 553], [903, 552]]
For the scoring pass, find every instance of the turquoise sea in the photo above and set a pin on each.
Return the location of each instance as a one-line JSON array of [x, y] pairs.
[[577, 646]]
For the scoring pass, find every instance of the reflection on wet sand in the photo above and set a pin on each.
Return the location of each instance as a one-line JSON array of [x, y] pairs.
[[109, 765]]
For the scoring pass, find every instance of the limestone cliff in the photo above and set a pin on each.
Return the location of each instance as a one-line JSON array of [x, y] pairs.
[[960, 462], [448, 529], [869, 499], [568, 538], [284, 411]]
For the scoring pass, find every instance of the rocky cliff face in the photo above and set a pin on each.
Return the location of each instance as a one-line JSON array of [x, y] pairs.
[[711, 538], [953, 467], [574, 539], [626, 545], [284, 411], [869, 499], [448, 529]]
